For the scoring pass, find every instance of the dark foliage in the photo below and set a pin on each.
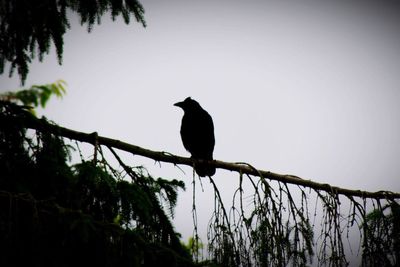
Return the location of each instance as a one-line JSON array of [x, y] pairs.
[[382, 231], [52, 214], [28, 27]]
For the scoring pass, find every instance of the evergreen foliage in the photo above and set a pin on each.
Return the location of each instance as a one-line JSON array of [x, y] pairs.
[[382, 245], [28, 27], [36, 95], [53, 214]]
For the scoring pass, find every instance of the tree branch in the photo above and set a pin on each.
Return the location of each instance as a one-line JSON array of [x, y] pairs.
[[93, 138]]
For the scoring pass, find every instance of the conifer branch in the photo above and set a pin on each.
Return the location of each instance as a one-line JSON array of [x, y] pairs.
[[243, 168]]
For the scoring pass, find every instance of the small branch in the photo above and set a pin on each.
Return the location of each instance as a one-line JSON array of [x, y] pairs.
[[43, 125]]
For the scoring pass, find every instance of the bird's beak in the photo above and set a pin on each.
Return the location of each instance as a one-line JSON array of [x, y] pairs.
[[179, 104]]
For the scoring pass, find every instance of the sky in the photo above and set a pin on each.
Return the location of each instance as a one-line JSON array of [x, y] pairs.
[[309, 88]]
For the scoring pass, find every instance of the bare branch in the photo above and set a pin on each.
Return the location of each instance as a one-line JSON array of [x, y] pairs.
[[242, 168]]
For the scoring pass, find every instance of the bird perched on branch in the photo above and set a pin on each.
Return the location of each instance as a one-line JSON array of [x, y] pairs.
[[197, 133]]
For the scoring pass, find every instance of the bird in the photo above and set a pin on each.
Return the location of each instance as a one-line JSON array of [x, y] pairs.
[[197, 133]]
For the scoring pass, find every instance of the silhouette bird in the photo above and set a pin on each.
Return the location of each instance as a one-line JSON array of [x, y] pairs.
[[197, 133]]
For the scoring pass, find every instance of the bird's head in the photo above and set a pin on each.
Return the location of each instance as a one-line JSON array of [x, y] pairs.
[[188, 104]]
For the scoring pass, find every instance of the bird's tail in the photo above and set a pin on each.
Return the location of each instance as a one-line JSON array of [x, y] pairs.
[[203, 169]]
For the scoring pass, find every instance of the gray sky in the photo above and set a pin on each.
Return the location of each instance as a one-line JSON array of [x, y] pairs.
[[309, 88]]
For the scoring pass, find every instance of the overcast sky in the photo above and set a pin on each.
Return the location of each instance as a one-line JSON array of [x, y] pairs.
[[309, 88]]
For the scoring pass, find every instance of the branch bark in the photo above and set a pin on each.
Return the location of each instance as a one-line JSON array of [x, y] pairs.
[[95, 139]]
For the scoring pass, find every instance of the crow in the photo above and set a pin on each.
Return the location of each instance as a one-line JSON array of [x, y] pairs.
[[197, 133]]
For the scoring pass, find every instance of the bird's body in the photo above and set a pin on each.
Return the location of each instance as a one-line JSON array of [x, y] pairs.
[[197, 133]]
